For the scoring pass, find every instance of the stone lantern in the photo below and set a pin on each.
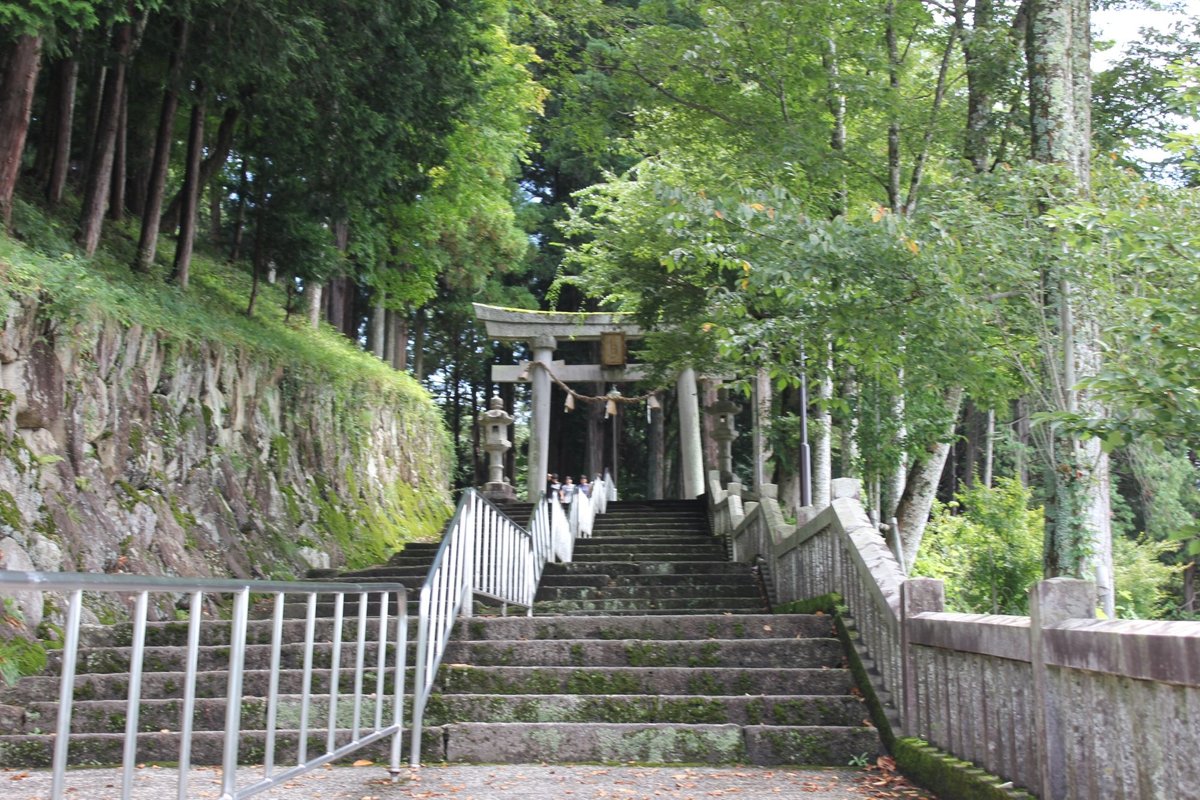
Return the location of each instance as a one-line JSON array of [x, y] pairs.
[[495, 422], [725, 431]]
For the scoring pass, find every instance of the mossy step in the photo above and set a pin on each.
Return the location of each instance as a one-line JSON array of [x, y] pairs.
[[108, 716], [619, 743], [324, 610], [110, 660], [839, 710], [633, 591], [643, 556], [465, 679], [662, 628], [167, 685], [735, 574], [811, 653], [677, 605], [103, 749], [737, 610], [657, 539], [626, 567], [216, 632]]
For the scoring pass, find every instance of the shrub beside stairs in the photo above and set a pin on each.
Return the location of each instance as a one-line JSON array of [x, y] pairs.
[[651, 647]]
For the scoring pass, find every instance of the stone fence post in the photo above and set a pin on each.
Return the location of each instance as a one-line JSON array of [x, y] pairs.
[[1050, 603], [917, 596]]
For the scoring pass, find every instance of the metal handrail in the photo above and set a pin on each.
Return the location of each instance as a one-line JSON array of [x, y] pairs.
[[77, 583], [482, 552]]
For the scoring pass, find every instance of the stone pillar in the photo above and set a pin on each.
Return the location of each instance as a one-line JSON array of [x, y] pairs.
[[495, 422], [1051, 602], [724, 432], [691, 461], [539, 434], [916, 597]]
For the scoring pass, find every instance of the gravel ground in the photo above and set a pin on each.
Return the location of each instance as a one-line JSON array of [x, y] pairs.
[[527, 782]]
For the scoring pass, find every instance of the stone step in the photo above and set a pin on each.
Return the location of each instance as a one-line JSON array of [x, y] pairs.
[[662, 628], [168, 685], [100, 749], [648, 555], [454, 678], [216, 632], [656, 743], [633, 591], [759, 653], [839, 710], [113, 660], [108, 716], [657, 539], [634, 611], [326, 610], [733, 576], [675, 605], [625, 567]]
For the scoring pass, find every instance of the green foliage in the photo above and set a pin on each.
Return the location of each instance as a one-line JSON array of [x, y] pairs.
[[37, 17], [20, 656], [987, 548], [1143, 581]]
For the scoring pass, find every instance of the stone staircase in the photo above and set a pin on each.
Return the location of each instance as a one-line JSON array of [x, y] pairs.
[[650, 647]]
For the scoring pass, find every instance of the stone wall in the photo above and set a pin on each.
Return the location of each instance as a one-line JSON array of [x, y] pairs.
[[123, 450]]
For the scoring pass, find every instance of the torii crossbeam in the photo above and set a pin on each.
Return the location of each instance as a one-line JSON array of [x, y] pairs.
[[543, 330]]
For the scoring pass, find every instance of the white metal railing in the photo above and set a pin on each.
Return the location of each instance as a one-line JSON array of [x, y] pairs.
[[483, 552], [360, 734]]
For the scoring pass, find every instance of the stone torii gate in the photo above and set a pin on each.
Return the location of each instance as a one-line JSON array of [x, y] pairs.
[[542, 331]]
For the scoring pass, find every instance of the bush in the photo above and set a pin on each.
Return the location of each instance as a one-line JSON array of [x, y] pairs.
[[986, 546], [1142, 579]]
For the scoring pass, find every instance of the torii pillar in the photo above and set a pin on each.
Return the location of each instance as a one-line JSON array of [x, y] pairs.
[[539, 442]]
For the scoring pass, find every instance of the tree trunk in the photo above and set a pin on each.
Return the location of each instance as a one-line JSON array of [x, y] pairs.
[[763, 404], [849, 426], [156, 187], [989, 445], [16, 100], [419, 345], [399, 342], [116, 195], [656, 455], [98, 181], [67, 79], [822, 476], [894, 484], [893, 135], [378, 329], [314, 291], [1079, 533], [256, 261], [980, 87], [912, 515], [218, 155], [594, 452], [191, 193], [239, 222], [335, 304]]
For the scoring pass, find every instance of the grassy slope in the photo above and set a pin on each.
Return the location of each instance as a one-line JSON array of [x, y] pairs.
[[43, 261]]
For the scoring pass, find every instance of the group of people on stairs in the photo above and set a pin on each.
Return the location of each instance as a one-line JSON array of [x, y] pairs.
[[565, 492]]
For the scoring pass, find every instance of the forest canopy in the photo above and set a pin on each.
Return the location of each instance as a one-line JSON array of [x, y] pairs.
[[976, 251]]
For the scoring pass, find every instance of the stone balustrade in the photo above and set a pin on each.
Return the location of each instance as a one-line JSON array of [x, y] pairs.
[[1058, 703]]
